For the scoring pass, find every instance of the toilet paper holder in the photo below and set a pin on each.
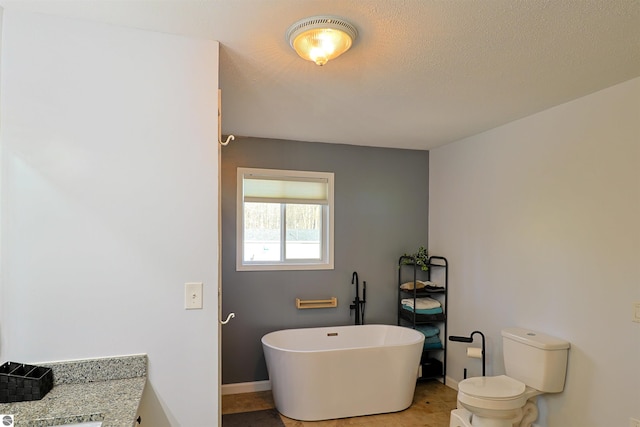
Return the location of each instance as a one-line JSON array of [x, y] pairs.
[[469, 339]]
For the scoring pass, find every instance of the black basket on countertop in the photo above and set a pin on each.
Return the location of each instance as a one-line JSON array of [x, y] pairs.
[[20, 382]]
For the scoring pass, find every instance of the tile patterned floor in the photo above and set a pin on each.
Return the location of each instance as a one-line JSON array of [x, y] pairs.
[[431, 406]]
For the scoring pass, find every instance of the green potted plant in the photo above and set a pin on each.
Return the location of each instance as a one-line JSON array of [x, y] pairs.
[[421, 258]]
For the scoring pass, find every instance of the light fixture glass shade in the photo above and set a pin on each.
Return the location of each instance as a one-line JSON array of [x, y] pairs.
[[321, 38]]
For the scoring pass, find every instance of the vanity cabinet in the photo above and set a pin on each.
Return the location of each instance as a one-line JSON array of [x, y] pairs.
[[421, 314]]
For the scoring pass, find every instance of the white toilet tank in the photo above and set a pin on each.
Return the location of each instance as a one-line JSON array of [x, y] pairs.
[[536, 359]]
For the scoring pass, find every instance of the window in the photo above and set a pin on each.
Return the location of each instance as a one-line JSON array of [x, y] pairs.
[[284, 220]]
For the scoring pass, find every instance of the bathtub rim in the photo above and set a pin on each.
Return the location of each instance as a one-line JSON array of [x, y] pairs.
[[418, 337]]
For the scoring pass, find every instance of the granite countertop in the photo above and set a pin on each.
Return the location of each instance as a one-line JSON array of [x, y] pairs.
[[106, 389]]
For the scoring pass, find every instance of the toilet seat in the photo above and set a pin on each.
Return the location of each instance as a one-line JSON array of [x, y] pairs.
[[496, 393], [499, 387]]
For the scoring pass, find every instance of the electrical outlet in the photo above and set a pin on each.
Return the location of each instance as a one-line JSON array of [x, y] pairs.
[[193, 296], [634, 423]]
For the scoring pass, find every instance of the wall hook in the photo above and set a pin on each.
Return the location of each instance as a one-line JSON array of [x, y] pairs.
[[230, 137], [229, 317]]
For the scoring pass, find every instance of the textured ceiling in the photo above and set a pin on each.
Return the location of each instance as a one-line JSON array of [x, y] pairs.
[[422, 73]]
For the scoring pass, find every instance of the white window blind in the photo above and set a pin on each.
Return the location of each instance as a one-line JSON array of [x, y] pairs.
[[267, 189], [285, 187]]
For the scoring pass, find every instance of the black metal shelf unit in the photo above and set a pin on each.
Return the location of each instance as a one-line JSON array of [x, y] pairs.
[[434, 360]]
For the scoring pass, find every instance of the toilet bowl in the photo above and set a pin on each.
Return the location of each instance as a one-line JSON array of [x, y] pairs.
[[498, 401], [535, 363], [499, 393]]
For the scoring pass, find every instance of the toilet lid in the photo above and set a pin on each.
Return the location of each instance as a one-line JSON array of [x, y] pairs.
[[500, 387]]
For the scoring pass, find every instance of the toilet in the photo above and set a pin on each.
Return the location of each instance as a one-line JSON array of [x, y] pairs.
[[535, 363]]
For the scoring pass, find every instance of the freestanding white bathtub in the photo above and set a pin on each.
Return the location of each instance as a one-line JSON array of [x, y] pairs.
[[343, 371]]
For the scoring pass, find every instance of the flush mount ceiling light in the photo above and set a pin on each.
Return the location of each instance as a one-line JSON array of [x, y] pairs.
[[321, 38]]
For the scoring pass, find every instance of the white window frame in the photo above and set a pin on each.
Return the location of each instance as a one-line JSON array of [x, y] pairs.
[[326, 262]]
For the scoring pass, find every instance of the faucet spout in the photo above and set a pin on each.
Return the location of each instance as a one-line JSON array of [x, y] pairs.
[[356, 302]]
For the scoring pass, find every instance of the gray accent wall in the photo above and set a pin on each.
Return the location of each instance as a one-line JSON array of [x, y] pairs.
[[381, 212]]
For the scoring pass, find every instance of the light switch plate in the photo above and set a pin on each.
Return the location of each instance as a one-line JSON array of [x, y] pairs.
[[193, 296], [636, 313]]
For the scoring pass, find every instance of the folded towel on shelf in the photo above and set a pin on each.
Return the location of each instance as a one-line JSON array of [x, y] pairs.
[[420, 284], [408, 286], [437, 310], [428, 330], [424, 303], [432, 346], [432, 286], [432, 340]]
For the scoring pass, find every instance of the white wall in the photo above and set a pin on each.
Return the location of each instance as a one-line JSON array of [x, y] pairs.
[[110, 203], [540, 222]]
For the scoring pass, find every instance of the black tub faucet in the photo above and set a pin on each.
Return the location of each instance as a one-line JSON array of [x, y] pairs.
[[358, 304]]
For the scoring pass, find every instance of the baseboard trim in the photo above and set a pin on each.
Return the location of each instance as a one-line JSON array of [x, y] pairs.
[[249, 387], [452, 383]]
